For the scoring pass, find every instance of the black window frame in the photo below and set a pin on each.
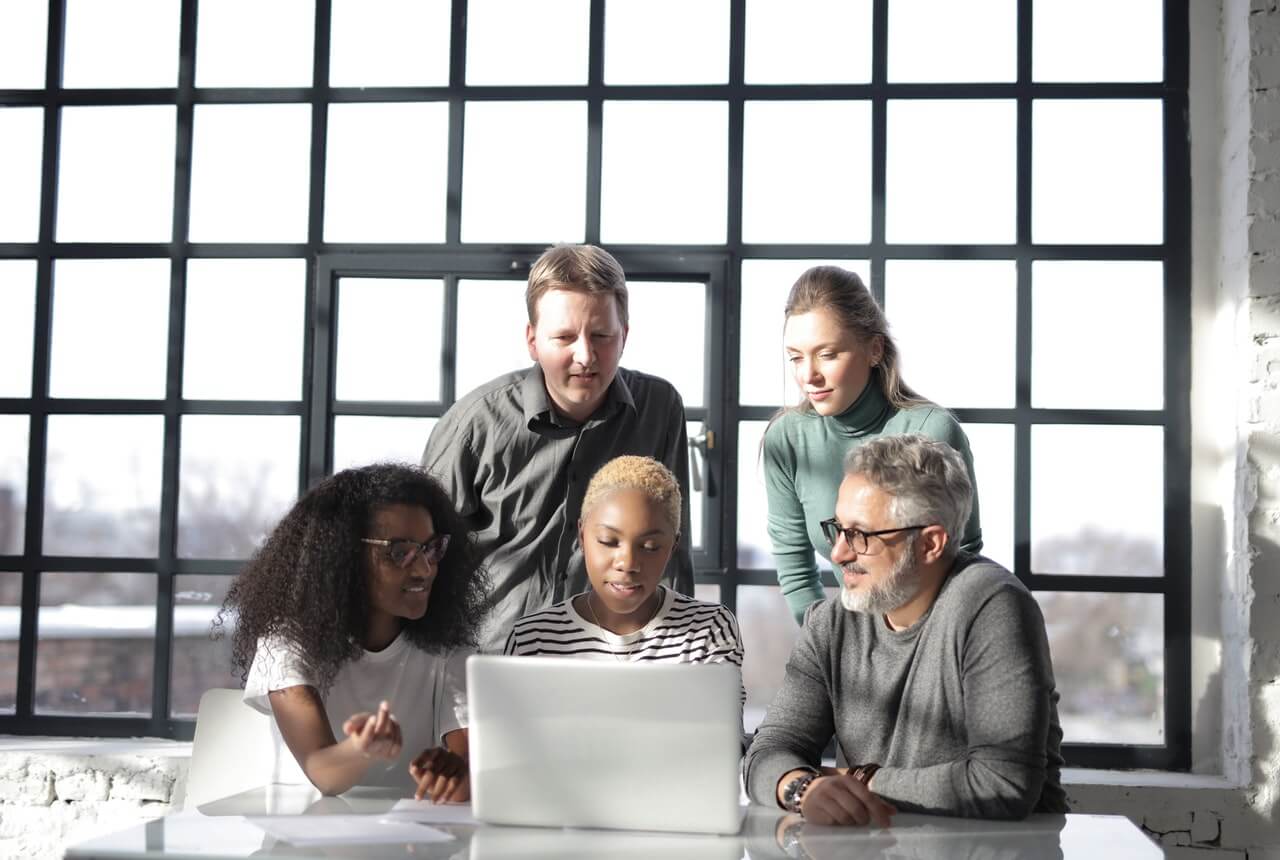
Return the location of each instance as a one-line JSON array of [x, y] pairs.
[[720, 264]]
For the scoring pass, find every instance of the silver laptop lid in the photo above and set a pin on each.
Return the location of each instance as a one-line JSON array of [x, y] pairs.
[[580, 743]]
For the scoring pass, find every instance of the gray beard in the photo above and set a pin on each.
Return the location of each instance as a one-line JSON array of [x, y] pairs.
[[902, 584]]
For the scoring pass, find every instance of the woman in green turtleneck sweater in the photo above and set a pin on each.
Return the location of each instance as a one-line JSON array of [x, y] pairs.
[[846, 364]]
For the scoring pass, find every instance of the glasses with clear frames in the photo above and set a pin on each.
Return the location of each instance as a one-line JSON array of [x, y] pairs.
[[404, 552]]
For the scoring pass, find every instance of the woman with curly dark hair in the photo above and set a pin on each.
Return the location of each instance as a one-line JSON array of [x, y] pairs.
[[364, 601]]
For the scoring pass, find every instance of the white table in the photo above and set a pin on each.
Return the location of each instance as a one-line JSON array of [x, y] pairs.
[[219, 830]]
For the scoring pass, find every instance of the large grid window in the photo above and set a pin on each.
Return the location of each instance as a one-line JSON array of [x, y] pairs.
[[236, 258]]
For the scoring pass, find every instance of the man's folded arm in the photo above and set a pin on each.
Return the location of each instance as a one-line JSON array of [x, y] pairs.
[[797, 726]]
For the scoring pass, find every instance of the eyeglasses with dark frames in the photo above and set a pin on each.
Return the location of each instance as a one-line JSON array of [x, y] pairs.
[[858, 540], [403, 552]]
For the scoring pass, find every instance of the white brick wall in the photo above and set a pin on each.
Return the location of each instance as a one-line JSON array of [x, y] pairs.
[[1260, 423], [49, 799]]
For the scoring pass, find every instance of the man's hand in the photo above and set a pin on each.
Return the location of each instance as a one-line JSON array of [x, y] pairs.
[[375, 735], [842, 799], [441, 775]]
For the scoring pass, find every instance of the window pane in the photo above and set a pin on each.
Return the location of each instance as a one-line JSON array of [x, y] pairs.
[[1097, 500], [529, 42], [951, 171], [257, 306], [665, 172], [1125, 40], [754, 549], [359, 440], [246, 43], [769, 632], [21, 155], [115, 174], [102, 485], [250, 173], [808, 42], [806, 188], [1097, 171], [496, 307], [237, 476], [10, 620], [106, 46], [1098, 335], [691, 38], [764, 378], [17, 326], [929, 301], [95, 643], [535, 191], [386, 172], [392, 43], [1108, 663], [200, 662], [14, 443], [668, 334], [110, 328], [23, 24], [697, 490], [944, 41], [378, 358], [992, 447]]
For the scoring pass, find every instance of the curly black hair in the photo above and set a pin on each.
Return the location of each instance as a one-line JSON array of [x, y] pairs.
[[306, 583]]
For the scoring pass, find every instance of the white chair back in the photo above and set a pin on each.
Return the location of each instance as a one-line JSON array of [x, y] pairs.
[[235, 749]]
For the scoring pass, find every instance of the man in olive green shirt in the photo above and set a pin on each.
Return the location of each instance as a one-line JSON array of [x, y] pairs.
[[516, 453]]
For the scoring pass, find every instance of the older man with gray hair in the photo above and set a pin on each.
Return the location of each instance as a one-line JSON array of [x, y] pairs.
[[931, 669]]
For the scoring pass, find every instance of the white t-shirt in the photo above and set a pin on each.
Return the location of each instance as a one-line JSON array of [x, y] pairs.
[[427, 693]]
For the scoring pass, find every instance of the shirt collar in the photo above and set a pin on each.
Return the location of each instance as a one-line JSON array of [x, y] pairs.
[[538, 410]]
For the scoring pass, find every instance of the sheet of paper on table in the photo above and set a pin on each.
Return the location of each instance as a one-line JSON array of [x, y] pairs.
[[426, 812], [347, 829]]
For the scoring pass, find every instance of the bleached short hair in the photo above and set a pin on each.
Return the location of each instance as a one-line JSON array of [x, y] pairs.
[[645, 474]]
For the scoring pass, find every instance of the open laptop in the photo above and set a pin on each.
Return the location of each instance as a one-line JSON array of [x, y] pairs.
[[561, 742]]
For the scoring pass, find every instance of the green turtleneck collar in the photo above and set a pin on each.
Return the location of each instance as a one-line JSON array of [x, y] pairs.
[[865, 415]]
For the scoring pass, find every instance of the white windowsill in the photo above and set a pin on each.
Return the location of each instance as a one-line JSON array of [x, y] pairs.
[[1079, 776], [155, 747]]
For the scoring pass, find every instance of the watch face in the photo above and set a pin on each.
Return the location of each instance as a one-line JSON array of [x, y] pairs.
[[792, 794]]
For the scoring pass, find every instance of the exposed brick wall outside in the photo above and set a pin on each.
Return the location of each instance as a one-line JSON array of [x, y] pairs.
[[83, 675]]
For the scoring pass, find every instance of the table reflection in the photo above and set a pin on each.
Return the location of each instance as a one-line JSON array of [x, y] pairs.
[[912, 837], [224, 829]]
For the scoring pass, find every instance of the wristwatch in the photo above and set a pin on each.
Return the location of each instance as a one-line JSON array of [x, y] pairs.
[[794, 791]]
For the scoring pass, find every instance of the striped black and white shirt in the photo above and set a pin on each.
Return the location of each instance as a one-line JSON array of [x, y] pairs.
[[684, 630]]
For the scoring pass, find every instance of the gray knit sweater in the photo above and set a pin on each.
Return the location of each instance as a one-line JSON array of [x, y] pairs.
[[960, 709]]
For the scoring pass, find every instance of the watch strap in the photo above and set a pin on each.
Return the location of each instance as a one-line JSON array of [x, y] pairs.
[[863, 772]]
